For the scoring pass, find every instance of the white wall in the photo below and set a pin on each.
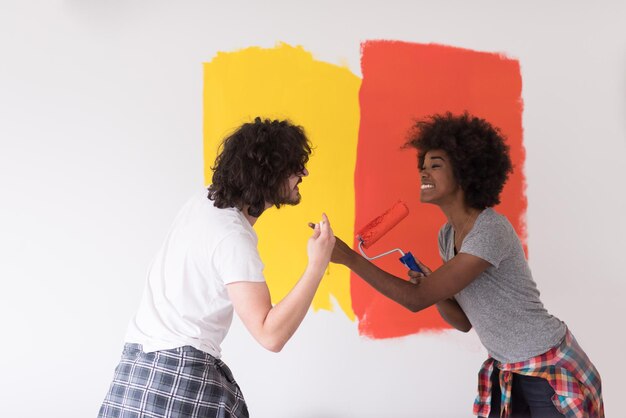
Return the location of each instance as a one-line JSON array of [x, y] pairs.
[[101, 142]]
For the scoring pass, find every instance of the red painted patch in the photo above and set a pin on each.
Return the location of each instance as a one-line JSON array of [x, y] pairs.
[[403, 82]]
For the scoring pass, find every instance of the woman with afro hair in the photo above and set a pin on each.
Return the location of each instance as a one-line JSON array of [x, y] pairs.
[[535, 366]]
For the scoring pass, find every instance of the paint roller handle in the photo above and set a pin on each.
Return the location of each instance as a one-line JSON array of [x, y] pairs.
[[409, 261]]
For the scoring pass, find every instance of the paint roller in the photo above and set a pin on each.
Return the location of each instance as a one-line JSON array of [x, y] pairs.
[[379, 226]]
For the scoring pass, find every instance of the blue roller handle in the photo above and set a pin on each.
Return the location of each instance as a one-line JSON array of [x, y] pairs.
[[409, 261]]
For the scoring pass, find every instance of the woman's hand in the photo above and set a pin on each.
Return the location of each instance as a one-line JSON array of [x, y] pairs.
[[341, 252], [416, 277]]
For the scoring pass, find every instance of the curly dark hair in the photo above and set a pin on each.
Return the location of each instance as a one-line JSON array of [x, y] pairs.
[[478, 152], [255, 161]]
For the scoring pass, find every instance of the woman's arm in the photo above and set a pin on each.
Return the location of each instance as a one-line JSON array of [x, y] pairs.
[[452, 313], [442, 284], [449, 309]]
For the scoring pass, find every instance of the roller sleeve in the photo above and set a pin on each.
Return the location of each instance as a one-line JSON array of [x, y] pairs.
[[378, 227]]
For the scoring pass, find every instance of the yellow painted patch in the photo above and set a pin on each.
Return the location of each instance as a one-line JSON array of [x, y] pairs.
[[288, 83]]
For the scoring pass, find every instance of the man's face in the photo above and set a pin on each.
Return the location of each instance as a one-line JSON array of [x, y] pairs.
[[292, 192]]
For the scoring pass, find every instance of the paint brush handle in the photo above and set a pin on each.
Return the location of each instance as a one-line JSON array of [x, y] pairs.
[[409, 261]]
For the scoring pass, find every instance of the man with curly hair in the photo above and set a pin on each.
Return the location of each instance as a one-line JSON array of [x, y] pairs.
[[208, 265], [535, 366]]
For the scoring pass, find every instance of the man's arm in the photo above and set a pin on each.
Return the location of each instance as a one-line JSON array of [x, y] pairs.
[[271, 326]]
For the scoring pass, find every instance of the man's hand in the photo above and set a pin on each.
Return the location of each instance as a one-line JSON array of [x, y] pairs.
[[341, 251], [321, 243]]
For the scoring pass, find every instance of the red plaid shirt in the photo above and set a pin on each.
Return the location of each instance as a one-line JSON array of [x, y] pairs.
[[576, 382]]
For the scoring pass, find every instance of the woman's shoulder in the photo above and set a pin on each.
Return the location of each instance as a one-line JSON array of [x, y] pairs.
[[445, 230], [492, 220], [445, 234], [490, 216]]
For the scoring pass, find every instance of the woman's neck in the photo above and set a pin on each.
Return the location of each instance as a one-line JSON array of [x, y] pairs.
[[461, 217]]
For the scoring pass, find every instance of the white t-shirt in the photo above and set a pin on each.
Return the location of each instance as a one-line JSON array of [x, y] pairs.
[[185, 301]]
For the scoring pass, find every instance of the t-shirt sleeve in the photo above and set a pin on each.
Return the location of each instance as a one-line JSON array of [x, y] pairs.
[[236, 259], [490, 241], [441, 241]]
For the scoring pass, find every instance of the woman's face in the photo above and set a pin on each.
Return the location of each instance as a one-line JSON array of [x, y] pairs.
[[438, 185]]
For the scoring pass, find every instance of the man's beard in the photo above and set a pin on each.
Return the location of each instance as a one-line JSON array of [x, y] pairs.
[[291, 200]]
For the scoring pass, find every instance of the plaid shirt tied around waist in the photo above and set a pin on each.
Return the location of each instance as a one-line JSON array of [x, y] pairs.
[[566, 367]]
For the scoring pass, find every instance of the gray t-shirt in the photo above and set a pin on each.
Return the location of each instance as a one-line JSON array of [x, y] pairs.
[[503, 302]]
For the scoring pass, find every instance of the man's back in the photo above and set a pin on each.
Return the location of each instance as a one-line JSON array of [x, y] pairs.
[[185, 301]]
